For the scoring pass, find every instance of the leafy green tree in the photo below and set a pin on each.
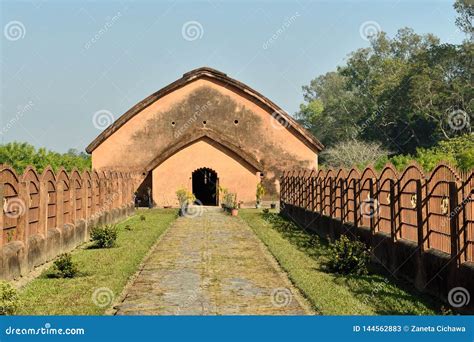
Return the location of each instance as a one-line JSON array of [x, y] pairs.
[[20, 155], [401, 92], [328, 112]]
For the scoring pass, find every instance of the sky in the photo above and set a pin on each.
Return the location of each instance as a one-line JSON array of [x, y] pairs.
[[63, 62]]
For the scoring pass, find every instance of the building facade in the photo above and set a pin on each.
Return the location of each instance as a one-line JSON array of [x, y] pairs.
[[201, 132]]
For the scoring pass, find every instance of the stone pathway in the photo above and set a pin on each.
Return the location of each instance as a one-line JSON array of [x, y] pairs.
[[212, 264]]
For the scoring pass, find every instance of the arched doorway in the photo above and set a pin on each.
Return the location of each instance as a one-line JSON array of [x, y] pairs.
[[205, 186], [143, 195]]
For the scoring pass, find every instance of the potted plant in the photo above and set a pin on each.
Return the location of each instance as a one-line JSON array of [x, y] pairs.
[[259, 194], [234, 206], [223, 192], [228, 201], [184, 198]]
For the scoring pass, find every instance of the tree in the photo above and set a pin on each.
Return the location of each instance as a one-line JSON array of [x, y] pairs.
[[352, 153], [20, 155], [327, 111], [465, 9], [404, 92]]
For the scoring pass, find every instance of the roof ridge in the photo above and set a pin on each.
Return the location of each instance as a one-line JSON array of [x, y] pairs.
[[203, 69]]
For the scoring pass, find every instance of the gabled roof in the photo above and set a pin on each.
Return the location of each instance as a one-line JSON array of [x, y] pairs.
[[204, 133], [307, 138]]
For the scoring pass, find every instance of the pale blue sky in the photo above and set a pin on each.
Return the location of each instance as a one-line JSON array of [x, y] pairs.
[[63, 75]]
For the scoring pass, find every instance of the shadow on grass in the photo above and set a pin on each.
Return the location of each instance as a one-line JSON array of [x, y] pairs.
[[388, 295], [306, 241], [52, 274], [95, 247], [378, 289]]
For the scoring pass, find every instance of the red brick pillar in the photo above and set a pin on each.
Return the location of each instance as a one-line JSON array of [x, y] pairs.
[[22, 221], [43, 208]]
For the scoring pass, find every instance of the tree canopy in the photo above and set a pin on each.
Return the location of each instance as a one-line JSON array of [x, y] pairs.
[[20, 155], [405, 93]]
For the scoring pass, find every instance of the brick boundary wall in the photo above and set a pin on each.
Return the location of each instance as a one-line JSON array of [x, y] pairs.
[[53, 212], [419, 227]]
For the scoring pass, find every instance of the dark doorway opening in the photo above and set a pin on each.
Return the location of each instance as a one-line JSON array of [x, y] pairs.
[[143, 196], [205, 186]]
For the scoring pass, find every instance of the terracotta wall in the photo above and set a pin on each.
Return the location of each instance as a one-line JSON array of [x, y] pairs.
[[419, 226], [52, 212], [175, 172]]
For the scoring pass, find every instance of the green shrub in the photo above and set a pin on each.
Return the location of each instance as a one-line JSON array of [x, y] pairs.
[[348, 257], [260, 192], [458, 151], [230, 200], [128, 227], [64, 267], [104, 236], [185, 197], [142, 217], [9, 299]]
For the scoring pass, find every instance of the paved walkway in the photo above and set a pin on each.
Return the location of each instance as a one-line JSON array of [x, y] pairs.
[[210, 265]]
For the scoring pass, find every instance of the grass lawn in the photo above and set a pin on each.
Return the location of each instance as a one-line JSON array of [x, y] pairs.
[[303, 256], [99, 268]]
